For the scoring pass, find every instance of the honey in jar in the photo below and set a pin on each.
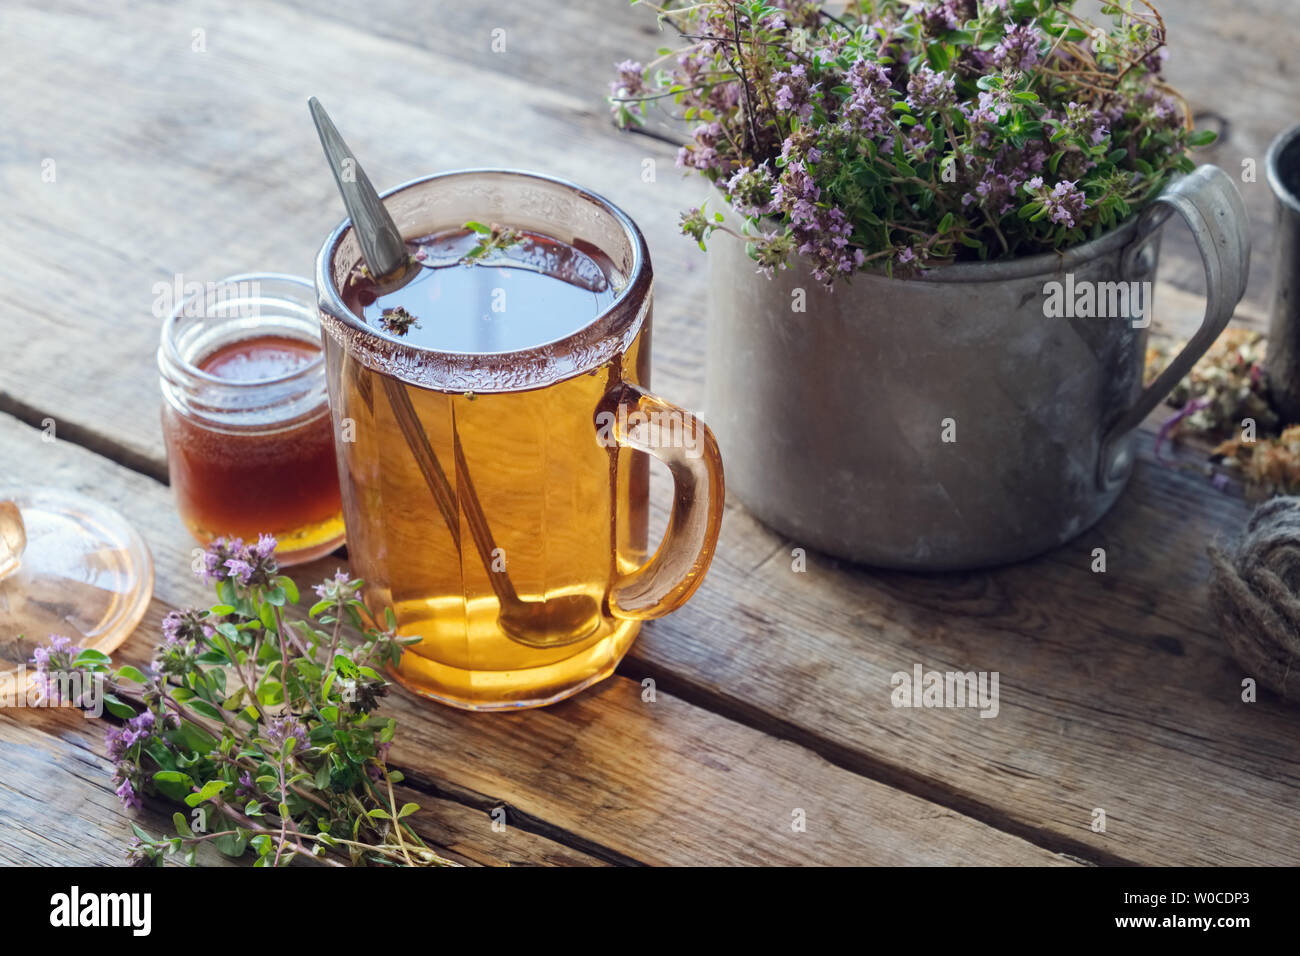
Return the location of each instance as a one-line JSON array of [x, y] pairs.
[[250, 441]]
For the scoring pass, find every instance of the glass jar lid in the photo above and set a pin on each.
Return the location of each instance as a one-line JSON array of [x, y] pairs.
[[68, 566]]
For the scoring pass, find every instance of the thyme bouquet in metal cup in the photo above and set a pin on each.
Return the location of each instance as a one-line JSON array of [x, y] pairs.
[[897, 134], [956, 160]]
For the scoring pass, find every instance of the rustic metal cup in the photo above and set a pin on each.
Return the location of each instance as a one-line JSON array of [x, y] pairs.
[[835, 418]]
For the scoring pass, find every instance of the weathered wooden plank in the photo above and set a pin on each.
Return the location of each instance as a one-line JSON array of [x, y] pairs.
[[623, 778], [1239, 67], [571, 47], [57, 806]]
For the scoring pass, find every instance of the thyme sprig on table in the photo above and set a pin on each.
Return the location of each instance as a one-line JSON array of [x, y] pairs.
[[263, 732]]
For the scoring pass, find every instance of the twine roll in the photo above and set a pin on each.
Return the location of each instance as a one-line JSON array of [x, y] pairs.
[[1255, 595]]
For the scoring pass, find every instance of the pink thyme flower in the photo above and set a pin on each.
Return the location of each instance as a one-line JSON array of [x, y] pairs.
[[265, 546], [631, 78], [1064, 203], [867, 110], [751, 190], [930, 90], [241, 569], [126, 793], [246, 788], [53, 661], [283, 729], [333, 588], [1018, 50], [794, 93], [124, 745], [232, 560], [703, 153]]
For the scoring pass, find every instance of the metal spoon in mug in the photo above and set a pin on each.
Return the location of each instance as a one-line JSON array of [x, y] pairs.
[[549, 622]]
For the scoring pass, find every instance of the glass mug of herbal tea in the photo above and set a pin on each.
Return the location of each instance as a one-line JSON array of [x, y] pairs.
[[491, 410]]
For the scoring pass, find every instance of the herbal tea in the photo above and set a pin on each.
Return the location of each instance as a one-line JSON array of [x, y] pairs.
[[477, 292], [566, 515]]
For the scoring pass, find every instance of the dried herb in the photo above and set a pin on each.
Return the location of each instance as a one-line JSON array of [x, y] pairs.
[[397, 320], [1271, 466], [1224, 389]]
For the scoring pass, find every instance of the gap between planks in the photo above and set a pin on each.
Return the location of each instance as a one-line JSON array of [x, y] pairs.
[[864, 765]]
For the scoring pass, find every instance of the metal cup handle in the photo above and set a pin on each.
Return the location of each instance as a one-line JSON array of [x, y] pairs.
[[1210, 204]]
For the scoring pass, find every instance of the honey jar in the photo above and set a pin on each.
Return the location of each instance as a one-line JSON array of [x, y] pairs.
[[245, 416]]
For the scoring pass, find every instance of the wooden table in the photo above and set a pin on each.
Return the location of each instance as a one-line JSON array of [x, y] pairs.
[[181, 144]]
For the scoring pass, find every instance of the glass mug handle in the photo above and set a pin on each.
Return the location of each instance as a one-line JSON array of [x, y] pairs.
[[13, 537], [670, 577]]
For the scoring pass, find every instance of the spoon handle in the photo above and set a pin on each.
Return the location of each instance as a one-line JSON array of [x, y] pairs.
[[443, 494], [381, 242], [425, 459], [476, 518]]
